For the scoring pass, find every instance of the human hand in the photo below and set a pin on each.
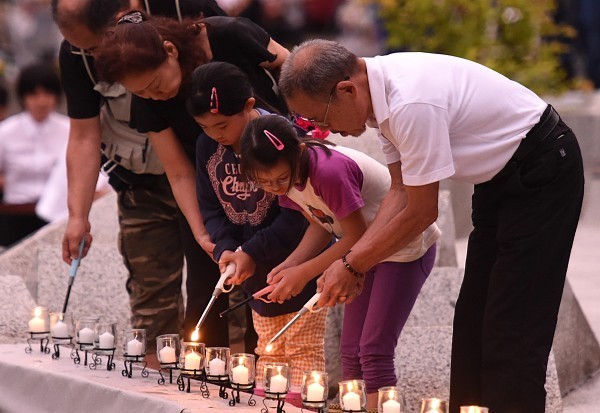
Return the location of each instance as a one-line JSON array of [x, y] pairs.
[[244, 263], [338, 285], [207, 245], [272, 274], [76, 230], [288, 283]]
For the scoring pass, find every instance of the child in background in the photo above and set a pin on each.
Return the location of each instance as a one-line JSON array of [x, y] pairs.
[[237, 213], [339, 190]]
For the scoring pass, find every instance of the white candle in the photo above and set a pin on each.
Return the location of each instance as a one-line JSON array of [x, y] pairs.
[[240, 374], [134, 347], [192, 361], [278, 384], [86, 335], [391, 406], [351, 401], [37, 325], [106, 340], [216, 367], [315, 393], [167, 355], [60, 329]]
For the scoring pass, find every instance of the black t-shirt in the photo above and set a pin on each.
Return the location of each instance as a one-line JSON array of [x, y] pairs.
[[82, 100], [232, 39]]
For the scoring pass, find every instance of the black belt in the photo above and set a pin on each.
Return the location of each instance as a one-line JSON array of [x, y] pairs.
[[537, 134], [120, 178]]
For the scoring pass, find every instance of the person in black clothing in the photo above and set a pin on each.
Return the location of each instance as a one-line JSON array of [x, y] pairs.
[[153, 233], [154, 58]]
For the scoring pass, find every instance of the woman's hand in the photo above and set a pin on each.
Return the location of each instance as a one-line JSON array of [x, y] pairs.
[[244, 266]]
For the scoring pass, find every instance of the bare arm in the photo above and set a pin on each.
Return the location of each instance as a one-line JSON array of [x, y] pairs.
[[405, 212], [83, 164], [182, 178]]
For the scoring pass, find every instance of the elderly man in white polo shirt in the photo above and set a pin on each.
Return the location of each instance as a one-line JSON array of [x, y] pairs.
[[443, 117]]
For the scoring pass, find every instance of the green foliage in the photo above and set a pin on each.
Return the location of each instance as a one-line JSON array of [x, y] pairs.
[[517, 38]]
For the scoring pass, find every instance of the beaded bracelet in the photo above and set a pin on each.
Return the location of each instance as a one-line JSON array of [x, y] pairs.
[[350, 268]]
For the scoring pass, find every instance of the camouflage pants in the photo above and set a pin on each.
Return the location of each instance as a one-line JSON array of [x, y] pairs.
[[150, 243]]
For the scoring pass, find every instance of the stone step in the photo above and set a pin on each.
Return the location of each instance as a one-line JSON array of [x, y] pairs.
[[16, 305]]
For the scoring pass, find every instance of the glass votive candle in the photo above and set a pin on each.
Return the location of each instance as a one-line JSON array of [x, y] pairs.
[[134, 343], [242, 371], [390, 400], [314, 389], [473, 409], [353, 395], [85, 328], [434, 405], [191, 357], [39, 325], [276, 379], [105, 337], [167, 349], [61, 327], [217, 363]]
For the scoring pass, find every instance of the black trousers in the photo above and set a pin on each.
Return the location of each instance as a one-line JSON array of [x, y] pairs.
[[524, 223]]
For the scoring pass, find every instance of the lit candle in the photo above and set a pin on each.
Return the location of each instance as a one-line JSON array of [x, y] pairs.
[[240, 374], [351, 401], [216, 367], [60, 329], [278, 384], [37, 324], [167, 355], [86, 335], [106, 340], [315, 392], [192, 361], [134, 347], [391, 406]]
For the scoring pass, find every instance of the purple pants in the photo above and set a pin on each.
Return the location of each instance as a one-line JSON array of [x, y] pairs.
[[374, 320]]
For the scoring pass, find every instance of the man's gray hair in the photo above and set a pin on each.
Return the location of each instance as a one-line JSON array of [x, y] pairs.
[[316, 66]]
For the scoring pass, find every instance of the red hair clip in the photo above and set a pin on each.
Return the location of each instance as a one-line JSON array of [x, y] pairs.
[[274, 140], [214, 101]]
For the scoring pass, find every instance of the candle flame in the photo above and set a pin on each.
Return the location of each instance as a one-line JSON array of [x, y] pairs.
[[269, 348], [195, 335], [435, 403], [391, 394], [37, 311], [316, 377], [350, 386]]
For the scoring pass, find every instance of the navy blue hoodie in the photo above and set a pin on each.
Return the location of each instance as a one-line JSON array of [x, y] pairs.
[[237, 213]]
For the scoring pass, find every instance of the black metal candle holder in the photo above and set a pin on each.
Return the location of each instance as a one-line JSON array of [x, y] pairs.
[[62, 341], [236, 389], [314, 406], [42, 337], [354, 411], [85, 347], [218, 380], [170, 367], [279, 397], [130, 360], [314, 409], [97, 360], [192, 374]]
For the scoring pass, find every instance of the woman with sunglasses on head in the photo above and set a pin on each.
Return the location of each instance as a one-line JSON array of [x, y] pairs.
[[245, 221], [339, 190], [154, 58]]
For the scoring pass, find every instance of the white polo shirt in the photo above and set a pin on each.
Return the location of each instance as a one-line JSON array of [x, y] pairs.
[[29, 151], [447, 117]]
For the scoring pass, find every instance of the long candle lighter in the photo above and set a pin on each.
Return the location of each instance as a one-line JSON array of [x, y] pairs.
[[308, 307]]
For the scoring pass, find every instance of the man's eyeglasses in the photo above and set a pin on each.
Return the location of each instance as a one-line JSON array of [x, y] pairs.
[[323, 123]]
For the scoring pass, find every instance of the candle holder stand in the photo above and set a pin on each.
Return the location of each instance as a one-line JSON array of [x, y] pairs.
[[130, 360], [97, 360], [316, 406], [62, 341], [354, 411], [279, 397], [42, 337], [236, 389], [220, 380], [167, 366], [195, 374], [85, 347]]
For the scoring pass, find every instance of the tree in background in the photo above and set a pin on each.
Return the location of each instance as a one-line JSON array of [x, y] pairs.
[[517, 38]]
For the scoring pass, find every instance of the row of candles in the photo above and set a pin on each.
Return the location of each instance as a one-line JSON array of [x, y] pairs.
[[193, 358]]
